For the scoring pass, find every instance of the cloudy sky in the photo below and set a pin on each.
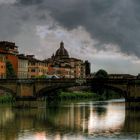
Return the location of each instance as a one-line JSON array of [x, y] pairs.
[[105, 32]]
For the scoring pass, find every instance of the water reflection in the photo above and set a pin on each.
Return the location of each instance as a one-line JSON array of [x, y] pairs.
[[71, 121], [105, 119], [6, 115]]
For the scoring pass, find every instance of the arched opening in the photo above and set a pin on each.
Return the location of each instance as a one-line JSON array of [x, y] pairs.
[[51, 89], [106, 92], [98, 92], [120, 92], [6, 95]]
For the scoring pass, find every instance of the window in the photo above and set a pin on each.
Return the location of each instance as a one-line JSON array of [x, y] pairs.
[[32, 70], [33, 63]]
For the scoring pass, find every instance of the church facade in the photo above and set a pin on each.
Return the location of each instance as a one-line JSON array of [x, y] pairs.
[[62, 65]]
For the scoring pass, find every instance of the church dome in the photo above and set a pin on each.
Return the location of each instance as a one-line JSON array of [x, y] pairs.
[[61, 52]]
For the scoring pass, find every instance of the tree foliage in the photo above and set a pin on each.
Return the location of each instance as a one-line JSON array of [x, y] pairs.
[[101, 74], [10, 73]]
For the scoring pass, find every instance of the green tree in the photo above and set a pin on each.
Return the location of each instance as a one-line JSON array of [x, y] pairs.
[[101, 74], [10, 73]]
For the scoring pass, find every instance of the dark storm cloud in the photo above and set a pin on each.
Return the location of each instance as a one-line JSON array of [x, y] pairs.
[[9, 22], [109, 21], [14, 16], [30, 2]]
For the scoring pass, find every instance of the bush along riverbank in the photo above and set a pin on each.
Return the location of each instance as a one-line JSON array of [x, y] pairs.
[[77, 95], [6, 99]]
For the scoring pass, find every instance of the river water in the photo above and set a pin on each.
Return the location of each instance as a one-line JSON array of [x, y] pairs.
[[85, 120]]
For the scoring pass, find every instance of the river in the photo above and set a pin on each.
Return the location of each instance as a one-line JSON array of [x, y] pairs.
[[85, 120]]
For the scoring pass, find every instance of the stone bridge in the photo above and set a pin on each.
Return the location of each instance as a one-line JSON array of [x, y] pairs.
[[21, 88], [31, 89]]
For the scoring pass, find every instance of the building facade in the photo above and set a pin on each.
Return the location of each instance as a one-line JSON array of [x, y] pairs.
[[11, 52], [22, 66], [13, 59], [8, 47], [2, 66], [36, 68]]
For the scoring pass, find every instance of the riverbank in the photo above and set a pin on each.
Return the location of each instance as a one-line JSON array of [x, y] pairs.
[[69, 96], [77, 95], [6, 99]]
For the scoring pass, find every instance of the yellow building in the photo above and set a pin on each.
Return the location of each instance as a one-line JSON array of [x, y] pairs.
[[36, 68]]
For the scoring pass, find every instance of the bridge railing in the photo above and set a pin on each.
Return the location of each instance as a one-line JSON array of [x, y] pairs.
[[73, 80], [113, 81], [7, 80], [43, 80]]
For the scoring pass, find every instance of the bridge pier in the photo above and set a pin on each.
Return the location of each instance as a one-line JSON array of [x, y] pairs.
[[133, 96], [25, 95], [133, 103], [25, 89], [132, 123]]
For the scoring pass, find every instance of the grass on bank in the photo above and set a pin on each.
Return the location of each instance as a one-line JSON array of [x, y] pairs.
[[6, 99], [79, 95], [76, 95]]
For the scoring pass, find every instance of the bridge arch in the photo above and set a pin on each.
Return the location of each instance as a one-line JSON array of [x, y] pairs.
[[8, 90], [50, 89], [99, 88], [117, 90], [45, 90]]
